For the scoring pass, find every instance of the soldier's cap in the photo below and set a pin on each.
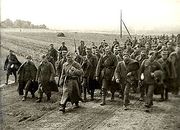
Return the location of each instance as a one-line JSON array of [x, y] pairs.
[[69, 55], [174, 44], [173, 54], [164, 52], [103, 40], [28, 57], [125, 53], [116, 46], [11, 51], [88, 49], [108, 47], [164, 48], [63, 43], [137, 46], [64, 51], [119, 49], [151, 52], [143, 50], [51, 44], [81, 41], [97, 50], [43, 56], [128, 43], [94, 47]]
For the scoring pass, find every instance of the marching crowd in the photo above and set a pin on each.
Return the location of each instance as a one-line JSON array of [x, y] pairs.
[[147, 65]]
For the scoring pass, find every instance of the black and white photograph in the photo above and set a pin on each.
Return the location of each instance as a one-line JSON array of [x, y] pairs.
[[89, 64]]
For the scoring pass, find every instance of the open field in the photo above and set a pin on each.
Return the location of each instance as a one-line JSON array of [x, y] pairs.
[[20, 115]]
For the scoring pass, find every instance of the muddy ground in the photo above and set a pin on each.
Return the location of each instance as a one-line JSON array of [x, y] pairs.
[[20, 115], [31, 115]]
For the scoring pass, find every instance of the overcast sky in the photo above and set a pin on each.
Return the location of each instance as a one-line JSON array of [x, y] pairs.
[[95, 14]]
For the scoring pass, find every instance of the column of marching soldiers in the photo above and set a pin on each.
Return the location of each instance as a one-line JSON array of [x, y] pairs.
[[148, 65]]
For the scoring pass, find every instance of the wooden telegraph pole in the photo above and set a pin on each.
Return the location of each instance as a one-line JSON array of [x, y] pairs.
[[120, 24]]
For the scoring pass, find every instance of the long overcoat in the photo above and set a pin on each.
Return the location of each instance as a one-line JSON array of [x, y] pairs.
[[11, 64], [69, 79], [45, 74], [27, 71], [106, 66]]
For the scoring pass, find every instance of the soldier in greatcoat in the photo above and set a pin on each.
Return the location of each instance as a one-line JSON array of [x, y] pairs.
[[140, 58], [166, 74], [105, 70], [27, 75], [148, 67], [82, 49], [129, 48], [45, 74], [89, 64], [71, 71], [177, 50], [61, 49], [125, 73], [173, 59], [11, 65], [60, 64], [97, 54], [52, 55], [115, 43]]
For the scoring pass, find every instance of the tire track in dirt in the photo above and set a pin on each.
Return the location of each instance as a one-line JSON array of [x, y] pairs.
[[88, 116], [92, 116], [95, 117]]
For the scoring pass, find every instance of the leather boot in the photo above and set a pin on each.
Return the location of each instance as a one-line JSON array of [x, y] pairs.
[[39, 100], [25, 95], [85, 98], [103, 100], [24, 98], [62, 108]]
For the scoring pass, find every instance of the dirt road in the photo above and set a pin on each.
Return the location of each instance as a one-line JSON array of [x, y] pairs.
[[21, 115], [31, 115]]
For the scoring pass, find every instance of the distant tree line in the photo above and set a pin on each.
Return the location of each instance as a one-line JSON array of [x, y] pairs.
[[20, 24]]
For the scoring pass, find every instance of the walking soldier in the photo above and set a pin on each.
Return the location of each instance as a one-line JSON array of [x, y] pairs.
[[148, 68], [60, 65], [45, 74], [105, 70], [52, 55], [11, 65], [69, 80], [27, 75], [125, 76], [89, 64], [166, 74]]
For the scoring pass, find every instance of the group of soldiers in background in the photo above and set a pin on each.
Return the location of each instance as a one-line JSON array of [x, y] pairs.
[[148, 65]]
